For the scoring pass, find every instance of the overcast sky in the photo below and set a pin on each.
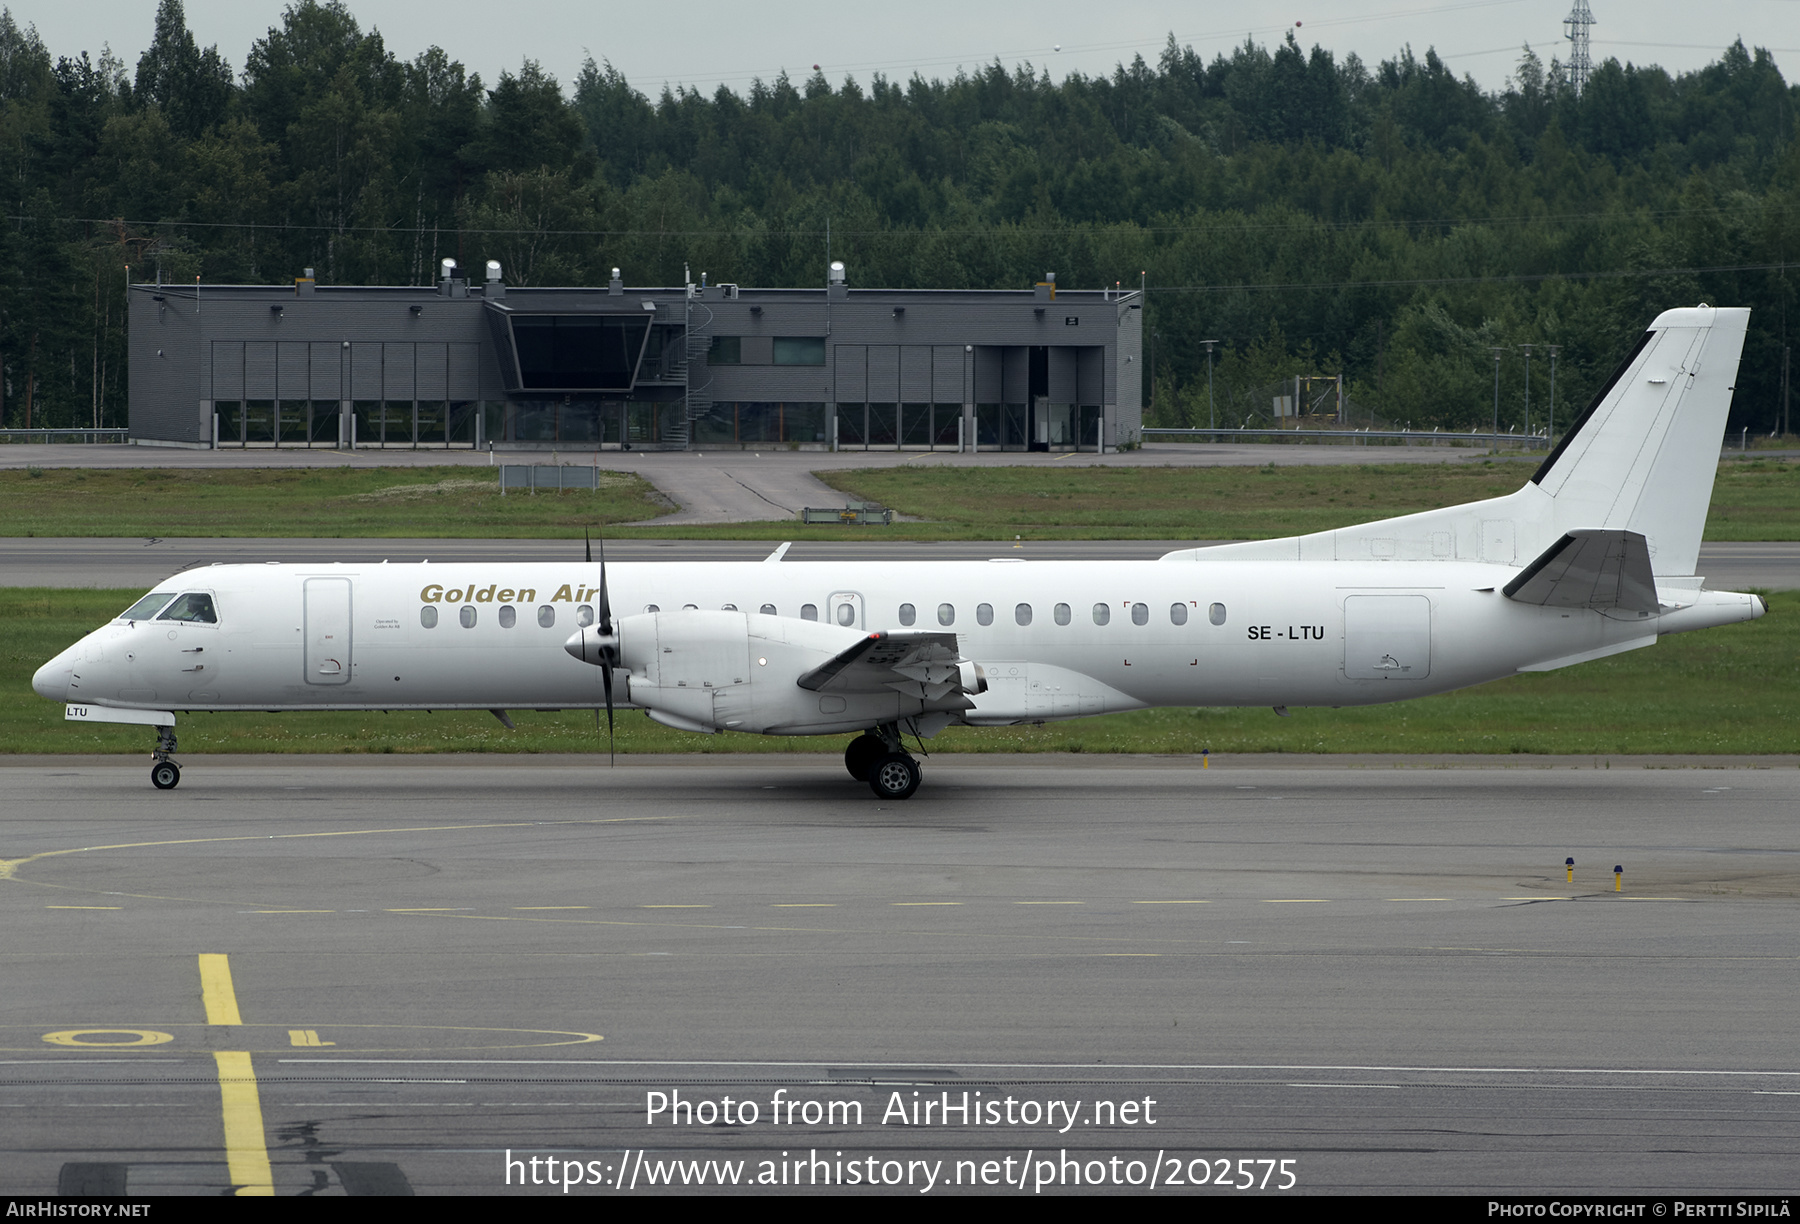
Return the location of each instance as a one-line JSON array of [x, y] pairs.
[[708, 42]]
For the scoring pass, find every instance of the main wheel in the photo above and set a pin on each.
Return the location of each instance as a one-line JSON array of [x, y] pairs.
[[165, 775], [894, 776], [861, 755]]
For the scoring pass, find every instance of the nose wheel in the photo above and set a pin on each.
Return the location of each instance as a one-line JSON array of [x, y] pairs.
[[165, 774]]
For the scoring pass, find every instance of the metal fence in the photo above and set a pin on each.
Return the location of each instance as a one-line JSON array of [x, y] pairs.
[[119, 434], [1353, 437]]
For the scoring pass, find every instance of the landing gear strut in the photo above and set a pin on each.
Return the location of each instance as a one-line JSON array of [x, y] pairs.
[[884, 763], [165, 774]]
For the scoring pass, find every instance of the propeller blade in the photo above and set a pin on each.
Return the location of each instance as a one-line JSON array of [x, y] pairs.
[[609, 655], [606, 681], [606, 625]]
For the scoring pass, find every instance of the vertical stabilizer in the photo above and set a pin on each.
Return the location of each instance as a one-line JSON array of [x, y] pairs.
[[1640, 460], [1643, 456]]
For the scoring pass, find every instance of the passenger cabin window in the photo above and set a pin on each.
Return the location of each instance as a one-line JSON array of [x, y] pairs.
[[1022, 614], [584, 616], [147, 607], [728, 607], [467, 616], [809, 612], [1216, 614], [946, 614], [509, 616], [1178, 613], [846, 615], [768, 610], [194, 608], [547, 617], [908, 614], [984, 614], [1062, 614], [1140, 614], [651, 608], [1102, 613], [428, 616]]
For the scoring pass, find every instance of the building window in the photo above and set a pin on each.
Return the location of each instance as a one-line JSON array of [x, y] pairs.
[[798, 350], [725, 350]]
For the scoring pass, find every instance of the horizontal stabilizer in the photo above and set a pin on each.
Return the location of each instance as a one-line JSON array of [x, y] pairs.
[[1590, 568]]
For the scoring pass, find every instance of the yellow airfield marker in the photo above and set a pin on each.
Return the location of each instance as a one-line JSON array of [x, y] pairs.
[[240, 1106]]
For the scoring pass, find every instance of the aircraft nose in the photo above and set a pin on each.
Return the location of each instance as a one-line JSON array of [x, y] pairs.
[[52, 679]]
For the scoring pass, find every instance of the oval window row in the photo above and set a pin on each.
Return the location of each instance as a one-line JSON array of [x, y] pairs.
[[1062, 614], [508, 616]]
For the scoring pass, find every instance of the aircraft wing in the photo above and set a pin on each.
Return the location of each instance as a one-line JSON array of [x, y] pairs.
[[916, 664], [1590, 568]]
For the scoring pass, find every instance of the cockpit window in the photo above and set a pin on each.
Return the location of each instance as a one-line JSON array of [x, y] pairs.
[[193, 607], [147, 607]]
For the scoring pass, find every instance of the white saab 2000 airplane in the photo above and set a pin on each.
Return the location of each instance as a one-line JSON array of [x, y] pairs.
[[1594, 556]]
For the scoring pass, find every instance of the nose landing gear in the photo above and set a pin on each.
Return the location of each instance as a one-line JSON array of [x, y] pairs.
[[165, 774]]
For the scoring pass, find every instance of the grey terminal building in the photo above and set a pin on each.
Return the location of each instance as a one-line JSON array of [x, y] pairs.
[[470, 363]]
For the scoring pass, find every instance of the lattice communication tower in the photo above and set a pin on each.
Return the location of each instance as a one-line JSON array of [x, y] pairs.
[[1580, 62]]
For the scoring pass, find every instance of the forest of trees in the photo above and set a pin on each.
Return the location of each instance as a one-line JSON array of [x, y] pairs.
[[1315, 215]]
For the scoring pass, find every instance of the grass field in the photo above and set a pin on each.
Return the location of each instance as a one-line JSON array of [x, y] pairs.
[[1754, 499], [1729, 690]]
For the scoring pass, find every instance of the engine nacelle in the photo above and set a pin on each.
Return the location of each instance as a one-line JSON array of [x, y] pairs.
[[739, 671]]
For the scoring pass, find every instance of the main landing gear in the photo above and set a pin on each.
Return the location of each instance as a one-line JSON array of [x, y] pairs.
[[165, 774], [878, 758]]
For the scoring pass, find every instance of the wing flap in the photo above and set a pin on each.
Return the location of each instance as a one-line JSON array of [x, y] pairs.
[[916, 664]]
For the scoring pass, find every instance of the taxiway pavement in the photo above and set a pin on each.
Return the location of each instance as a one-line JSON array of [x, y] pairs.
[[1378, 974]]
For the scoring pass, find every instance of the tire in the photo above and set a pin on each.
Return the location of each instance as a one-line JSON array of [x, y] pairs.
[[861, 755], [894, 776], [165, 775]]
